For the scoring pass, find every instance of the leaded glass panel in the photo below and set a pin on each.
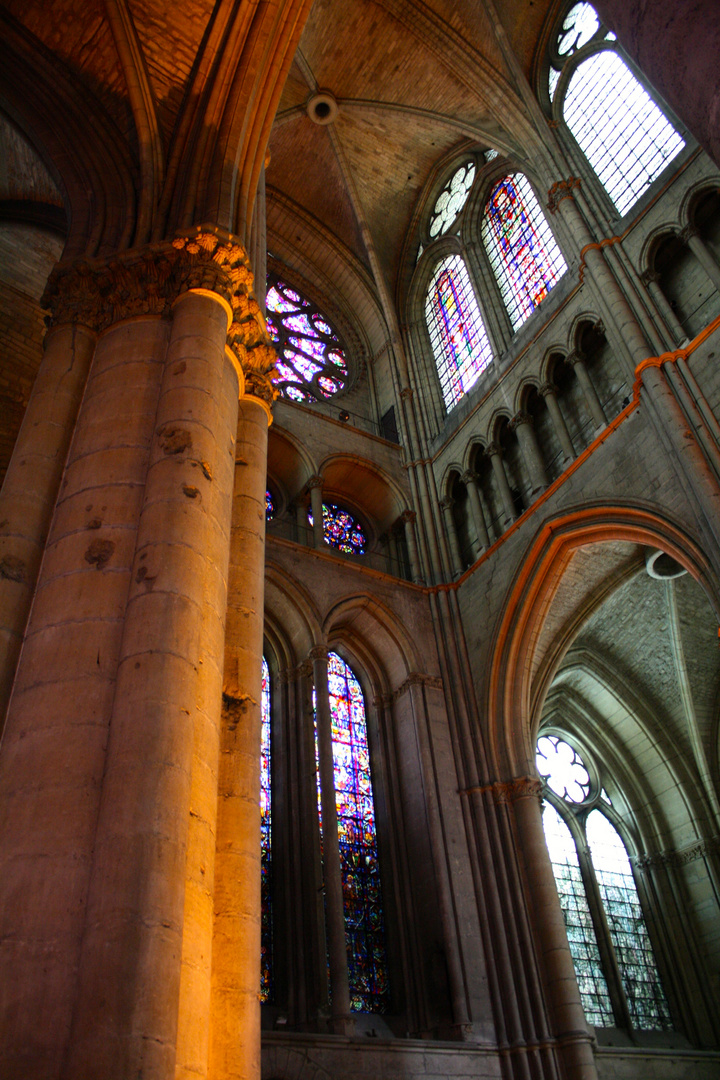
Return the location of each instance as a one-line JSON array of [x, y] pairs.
[[451, 199], [629, 934], [457, 333], [265, 842], [563, 768], [311, 362], [525, 258], [341, 530], [578, 921], [623, 134], [579, 25], [269, 507]]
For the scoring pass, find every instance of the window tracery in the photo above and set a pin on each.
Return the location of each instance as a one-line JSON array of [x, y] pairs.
[[341, 530], [600, 864], [623, 133], [451, 199], [311, 361], [524, 256], [457, 333]]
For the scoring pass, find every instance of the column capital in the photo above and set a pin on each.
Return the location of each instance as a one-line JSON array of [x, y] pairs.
[[687, 234], [562, 189], [522, 787], [492, 449], [408, 517], [575, 357], [649, 276], [519, 419], [469, 477], [314, 482], [547, 389], [318, 652], [447, 503], [406, 393]]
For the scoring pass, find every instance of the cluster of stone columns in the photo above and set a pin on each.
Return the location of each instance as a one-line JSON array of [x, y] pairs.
[[109, 801], [691, 238]]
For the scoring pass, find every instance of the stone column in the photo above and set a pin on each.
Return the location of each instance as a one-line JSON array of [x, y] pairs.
[[652, 279], [235, 1006], [470, 481], [301, 521], [342, 1021], [315, 485], [567, 1017], [576, 360], [126, 1016], [495, 454], [408, 519], [446, 505], [33, 477], [704, 256], [549, 391], [522, 423]]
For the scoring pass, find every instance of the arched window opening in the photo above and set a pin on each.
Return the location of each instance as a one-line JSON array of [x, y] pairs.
[[265, 841], [341, 530], [622, 132], [451, 199], [600, 867], [457, 333], [357, 838], [311, 361], [269, 506], [525, 258]]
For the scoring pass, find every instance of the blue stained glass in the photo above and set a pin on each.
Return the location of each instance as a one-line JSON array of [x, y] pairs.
[[309, 350], [457, 333], [521, 247], [357, 837], [341, 530], [265, 843], [269, 506]]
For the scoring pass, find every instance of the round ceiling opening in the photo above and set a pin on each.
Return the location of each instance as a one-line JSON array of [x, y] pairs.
[[662, 566], [322, 108]]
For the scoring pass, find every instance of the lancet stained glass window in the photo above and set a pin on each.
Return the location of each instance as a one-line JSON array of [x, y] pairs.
[[457, 333], [525, 258], [269, 506], [311, 361], [265, 842], [622, 928], [341, 530], [357, 837]]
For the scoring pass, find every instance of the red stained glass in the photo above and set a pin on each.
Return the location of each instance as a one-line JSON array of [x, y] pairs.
[[265, 842], [309, 350]]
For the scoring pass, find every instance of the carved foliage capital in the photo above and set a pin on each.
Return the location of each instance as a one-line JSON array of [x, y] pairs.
[[318, 652], [522, 787], [562, 189], [548, 389], [408, 517]]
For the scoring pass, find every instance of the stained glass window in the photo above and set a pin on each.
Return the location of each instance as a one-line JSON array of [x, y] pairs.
[[522, 250], [578, 921], [357, 837], [579, 25], [265, 842], [630, 938], [621, 928], [269, 506], [623, 134], [311, 361], [451, 199], [341, 530], [457, 333]]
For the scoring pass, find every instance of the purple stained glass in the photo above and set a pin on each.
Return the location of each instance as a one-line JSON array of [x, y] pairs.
[[269, 507], [341, 530], [521, 247], [309, 350], [265, 842], [457, 333], [357, 838]]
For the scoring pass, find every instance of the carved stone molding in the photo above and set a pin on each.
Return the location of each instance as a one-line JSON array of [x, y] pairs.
[[574, 357], [469, 477], [519, 419], [417, 678], [406, 393], [408, 517], [548, 389], [318, 652], [562, 189], [677, 858], [522, 787], [686, 234], [314, 482], [304, 670]]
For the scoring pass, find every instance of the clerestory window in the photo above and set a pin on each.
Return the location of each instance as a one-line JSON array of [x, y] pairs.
[[341, 530], [622, 132], [617, 973], [311, 364]]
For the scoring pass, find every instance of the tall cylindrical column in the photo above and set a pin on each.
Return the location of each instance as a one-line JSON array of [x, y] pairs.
[[523, 426], [566, 1012], [483, 539], [549, 392], [235, 1006], [32, 481], [652, 280], [694, 241], [446, 505], [408, 520], [495, 454], [342, 1022], [576, 361], [316, 506], [126, 1015]]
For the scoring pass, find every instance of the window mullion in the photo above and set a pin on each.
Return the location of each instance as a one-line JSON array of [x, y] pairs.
[[611, 970]]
